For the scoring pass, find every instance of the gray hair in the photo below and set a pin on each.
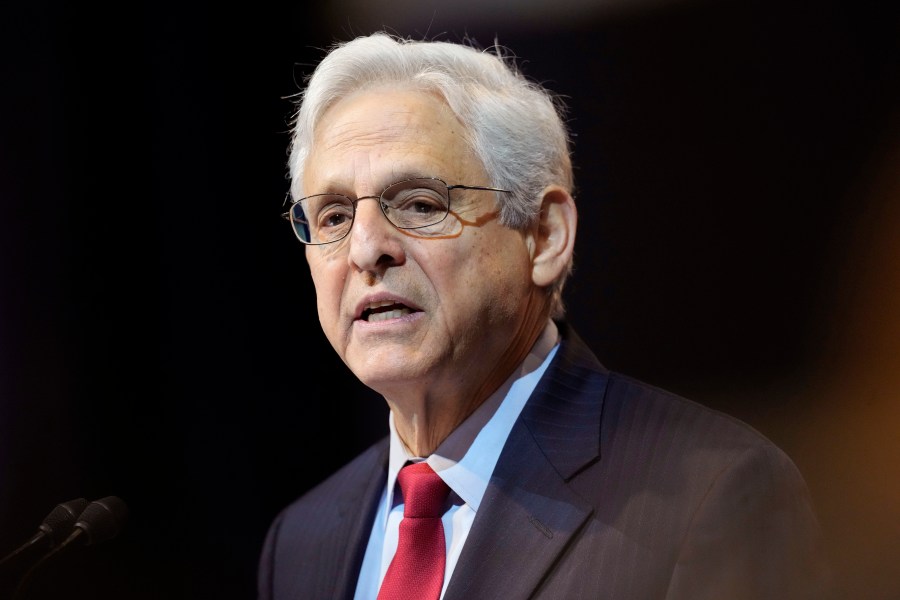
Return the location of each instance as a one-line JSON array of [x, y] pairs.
[[513, 126]]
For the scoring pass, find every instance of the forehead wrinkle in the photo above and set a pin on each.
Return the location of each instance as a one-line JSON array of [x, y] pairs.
[[347, 132], [358, 149], [371, 174]]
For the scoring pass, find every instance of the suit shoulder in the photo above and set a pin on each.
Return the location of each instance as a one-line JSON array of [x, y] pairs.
[[343, 484], [635, 410], [665, 455], [637, 401], [313, 534]]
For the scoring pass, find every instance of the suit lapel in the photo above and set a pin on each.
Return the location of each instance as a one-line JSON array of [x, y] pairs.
[[529, 513], [356, 512], [566, 408]]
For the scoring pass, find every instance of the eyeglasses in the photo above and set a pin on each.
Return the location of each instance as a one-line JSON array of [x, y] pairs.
[[420, 204]]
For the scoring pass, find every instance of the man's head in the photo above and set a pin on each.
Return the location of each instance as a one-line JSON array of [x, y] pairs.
[[453, 306], [512, 125]]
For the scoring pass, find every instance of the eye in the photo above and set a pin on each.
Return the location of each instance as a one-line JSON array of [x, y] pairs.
[[423, 206], [328, 211], [419, 203], [334, 216]]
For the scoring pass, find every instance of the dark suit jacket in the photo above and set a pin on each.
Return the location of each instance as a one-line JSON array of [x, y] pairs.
[[606, 488]]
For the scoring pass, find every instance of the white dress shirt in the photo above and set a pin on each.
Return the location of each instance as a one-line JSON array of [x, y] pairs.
[[465, 461]]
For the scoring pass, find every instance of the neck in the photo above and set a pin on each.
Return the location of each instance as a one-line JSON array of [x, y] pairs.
[[424, 421]]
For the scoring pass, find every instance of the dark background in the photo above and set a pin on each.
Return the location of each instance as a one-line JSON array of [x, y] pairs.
[[738, 191]]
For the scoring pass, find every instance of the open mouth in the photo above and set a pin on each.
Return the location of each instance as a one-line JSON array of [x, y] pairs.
[[382, 311]]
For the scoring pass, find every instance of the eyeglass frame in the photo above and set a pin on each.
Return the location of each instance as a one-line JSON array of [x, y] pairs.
[[381, 205]]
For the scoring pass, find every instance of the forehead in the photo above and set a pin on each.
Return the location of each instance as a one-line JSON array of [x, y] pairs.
[[375, 137]]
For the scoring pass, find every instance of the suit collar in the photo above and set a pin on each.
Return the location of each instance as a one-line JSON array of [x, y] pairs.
[[529, 512], [565, 409]]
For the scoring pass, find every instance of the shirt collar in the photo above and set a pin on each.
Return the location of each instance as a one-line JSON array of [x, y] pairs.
[[466, 459]]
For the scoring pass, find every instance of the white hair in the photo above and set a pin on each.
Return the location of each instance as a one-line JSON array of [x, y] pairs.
[[513, 126]]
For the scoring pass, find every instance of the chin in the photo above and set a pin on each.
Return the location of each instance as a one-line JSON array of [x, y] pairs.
[[384, 377]]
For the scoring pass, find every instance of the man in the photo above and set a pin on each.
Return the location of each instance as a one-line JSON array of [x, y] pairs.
[[432, 186]]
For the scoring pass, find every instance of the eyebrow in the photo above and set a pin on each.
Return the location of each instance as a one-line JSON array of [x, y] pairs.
[[405, 175], [395, 177]]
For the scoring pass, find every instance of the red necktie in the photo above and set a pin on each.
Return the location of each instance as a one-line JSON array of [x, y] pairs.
[[417, 570]]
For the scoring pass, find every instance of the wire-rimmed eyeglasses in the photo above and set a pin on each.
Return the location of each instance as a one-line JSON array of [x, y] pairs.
[[420, 204]]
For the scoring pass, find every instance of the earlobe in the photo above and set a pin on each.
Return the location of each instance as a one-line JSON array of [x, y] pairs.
[[554, 236]]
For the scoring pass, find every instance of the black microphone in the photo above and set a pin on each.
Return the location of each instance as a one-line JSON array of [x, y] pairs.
[[100, 520], [55, 528]]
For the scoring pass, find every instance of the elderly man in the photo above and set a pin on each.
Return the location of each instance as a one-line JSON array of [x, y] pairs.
[[432, 186]]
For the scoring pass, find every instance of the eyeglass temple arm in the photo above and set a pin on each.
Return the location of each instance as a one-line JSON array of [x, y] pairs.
[[289, 217], [477, 187]]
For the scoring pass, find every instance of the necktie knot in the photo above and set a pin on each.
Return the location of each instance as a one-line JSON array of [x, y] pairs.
[[424, 492]]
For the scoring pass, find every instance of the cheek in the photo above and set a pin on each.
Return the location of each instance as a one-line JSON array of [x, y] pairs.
[[502, 256], [488, 281], [328, 282]]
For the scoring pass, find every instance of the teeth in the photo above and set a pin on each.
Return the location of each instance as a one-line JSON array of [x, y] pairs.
[[389, 314], [375, 305]]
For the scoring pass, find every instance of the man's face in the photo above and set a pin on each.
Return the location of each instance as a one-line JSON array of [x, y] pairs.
[[448, 312]]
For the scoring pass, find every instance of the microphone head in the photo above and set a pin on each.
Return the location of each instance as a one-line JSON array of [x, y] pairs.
[[58, 524], [102, 519]]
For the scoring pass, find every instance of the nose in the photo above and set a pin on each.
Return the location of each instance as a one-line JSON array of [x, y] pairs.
[[375, 244]]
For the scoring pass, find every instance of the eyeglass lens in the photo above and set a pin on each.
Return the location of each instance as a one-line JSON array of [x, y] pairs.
[[412, 204]]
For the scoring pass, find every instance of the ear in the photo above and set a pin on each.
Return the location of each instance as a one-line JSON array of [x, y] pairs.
[[553, 238]]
